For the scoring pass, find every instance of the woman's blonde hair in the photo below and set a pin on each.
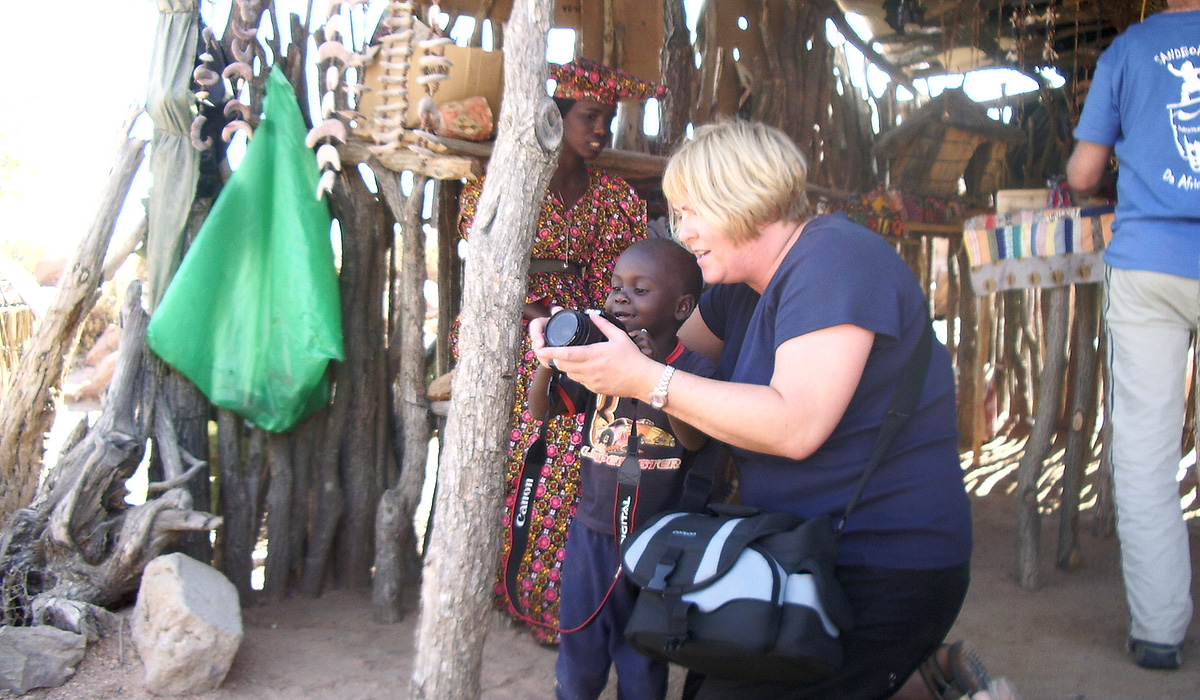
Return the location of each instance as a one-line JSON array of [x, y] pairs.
[[738, 175]]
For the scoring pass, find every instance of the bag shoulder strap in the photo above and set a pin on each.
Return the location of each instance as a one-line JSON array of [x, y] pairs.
[[900, 409], [698, 482], [700, 478]]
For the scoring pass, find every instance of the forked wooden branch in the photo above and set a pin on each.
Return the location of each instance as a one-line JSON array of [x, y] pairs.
[[80, 546]]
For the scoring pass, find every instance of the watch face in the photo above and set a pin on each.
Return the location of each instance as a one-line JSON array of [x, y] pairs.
[[658, 400]]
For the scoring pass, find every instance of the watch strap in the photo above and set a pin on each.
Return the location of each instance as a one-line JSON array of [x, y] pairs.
[[658, 397]]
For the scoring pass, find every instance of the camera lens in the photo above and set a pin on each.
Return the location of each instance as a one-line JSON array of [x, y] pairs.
[[568, 328]]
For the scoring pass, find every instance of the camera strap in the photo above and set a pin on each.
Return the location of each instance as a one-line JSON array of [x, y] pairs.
[[530, 479]]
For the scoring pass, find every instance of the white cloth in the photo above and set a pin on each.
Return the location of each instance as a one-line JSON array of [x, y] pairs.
[[1150, 317]]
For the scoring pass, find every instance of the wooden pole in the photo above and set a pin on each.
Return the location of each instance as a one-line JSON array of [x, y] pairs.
[[396, 558], [1057, 310], [1083, 422]]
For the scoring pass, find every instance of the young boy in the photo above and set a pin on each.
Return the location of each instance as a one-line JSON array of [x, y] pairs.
[[656, 284]]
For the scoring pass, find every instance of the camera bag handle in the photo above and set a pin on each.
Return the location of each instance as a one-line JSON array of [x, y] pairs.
[[698, 483]]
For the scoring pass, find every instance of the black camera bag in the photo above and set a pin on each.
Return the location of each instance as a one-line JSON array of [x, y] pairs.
[[738, 594]]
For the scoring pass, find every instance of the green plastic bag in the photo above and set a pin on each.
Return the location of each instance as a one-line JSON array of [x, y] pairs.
[[253, 315]]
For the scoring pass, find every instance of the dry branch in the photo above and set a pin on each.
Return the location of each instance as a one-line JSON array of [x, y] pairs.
[[1057, 302], [28, 409], [397, 562]]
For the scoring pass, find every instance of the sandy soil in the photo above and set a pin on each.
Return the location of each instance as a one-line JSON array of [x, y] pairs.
[[1064, 641]]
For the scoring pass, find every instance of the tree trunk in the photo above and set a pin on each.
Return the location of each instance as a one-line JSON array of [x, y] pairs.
[[397, 563], [327, 497], [968, 357], [279, 517], [189, 410], [28, 408], [367, 463], [678, 68], [241, 481], [449, 267], [455, 590], [1078, 452]]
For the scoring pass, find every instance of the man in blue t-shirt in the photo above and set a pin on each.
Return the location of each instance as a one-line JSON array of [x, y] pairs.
[[1144, 105]]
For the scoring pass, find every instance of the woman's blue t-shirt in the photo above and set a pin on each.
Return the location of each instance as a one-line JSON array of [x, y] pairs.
[[915, 513]]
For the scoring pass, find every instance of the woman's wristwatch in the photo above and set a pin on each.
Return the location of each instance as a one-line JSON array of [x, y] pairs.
[[658, 397]]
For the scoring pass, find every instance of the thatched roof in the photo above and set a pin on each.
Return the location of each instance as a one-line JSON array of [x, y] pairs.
[[951, 36], [949, 138]]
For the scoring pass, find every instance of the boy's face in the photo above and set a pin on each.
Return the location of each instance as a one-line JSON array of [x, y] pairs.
[[644, 294]]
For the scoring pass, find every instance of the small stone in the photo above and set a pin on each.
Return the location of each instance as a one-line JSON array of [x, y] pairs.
[[38, 657]]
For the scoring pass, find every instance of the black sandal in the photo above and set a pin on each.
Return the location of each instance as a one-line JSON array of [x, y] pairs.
[[967, 674]]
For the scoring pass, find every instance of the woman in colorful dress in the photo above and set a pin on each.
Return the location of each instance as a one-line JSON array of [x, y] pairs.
[[588, 218]]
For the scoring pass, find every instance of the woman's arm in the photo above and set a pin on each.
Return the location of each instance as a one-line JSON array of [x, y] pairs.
[[815, 377], [689, 437]]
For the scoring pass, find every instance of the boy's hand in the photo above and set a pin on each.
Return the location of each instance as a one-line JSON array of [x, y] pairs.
[[641, 338]]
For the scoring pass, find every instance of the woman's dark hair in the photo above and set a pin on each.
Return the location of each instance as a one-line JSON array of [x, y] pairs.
[[564, 104]]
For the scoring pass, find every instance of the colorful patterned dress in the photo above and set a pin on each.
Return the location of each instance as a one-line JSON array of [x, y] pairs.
[[606, 219]]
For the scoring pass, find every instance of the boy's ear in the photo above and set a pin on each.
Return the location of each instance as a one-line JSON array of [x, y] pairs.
[[684, 307]]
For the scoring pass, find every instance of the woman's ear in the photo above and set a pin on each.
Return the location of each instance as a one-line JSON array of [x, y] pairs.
[[684, 307]]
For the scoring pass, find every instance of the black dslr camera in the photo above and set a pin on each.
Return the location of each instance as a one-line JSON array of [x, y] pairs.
[[568, 328]]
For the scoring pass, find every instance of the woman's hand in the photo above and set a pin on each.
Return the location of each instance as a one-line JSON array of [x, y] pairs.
[[617, 367]]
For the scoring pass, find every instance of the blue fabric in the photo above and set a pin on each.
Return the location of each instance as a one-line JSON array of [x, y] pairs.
[[915, 512], [1144, 101], [605, 439], [585, 655]]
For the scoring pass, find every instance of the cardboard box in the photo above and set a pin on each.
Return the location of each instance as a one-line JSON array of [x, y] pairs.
[[1017, 200], [475, 72]]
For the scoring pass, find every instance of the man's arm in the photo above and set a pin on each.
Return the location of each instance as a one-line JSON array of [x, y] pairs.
[[1087, 167]]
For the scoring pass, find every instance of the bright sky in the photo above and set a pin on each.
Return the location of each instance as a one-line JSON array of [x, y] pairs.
[[66, 94]]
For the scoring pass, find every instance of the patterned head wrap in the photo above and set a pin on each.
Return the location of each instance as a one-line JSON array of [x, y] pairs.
[[585, 79]]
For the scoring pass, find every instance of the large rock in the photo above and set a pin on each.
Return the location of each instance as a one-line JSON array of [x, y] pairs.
[[38, 657], [187, 625]]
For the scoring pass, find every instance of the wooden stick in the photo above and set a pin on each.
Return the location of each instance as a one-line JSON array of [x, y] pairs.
[[28, 408], [1029, 470]]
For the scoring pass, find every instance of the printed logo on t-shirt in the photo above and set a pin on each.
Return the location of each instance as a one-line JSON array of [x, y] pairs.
[[1185, 116], [608, 438]]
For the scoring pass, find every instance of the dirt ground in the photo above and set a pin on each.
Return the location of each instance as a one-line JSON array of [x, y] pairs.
[[1064, 641]]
